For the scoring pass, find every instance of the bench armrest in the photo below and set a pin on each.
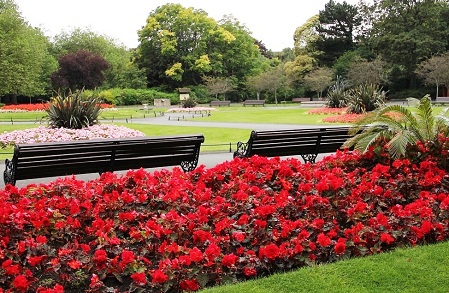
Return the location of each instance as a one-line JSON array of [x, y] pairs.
[[241, 151], [8, 174]]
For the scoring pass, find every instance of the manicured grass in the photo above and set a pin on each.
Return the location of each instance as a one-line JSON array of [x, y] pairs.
[[216, 139], [275, 115], [419, 269]]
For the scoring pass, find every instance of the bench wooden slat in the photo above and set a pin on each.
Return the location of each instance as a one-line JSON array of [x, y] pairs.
[[305, 142], [90, 156], [254, 102], [220, 103]]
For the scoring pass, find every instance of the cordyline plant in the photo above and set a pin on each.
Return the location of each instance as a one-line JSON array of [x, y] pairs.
[[73, 111], [170, 231]]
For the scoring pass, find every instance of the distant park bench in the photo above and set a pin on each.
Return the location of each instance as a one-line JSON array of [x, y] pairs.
[[220, 103], [300, 100], [307, 143], [441, 101], [254, 102], [40, 160]]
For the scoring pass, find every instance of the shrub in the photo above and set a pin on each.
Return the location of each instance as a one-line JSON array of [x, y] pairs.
[[364, 98], [73, 111], [189, 103], [336, 96]]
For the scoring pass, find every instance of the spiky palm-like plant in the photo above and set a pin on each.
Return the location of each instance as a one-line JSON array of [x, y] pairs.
[[399, 127], [73, 111]]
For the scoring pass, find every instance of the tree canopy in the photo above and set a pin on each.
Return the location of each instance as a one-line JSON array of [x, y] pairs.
[[25, 63]]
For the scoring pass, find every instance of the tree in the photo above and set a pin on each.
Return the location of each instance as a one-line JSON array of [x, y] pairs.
[[122, 73], [336, 27], [219, 85], [305, 35], [319, 80], [435, 70], [25, 64], [274, 79], [178, 46], [367, 72], [256, 83], [399, 128], [405, 33], [79, 70]]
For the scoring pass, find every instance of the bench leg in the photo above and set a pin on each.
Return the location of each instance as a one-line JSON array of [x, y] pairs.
[[309, 158]]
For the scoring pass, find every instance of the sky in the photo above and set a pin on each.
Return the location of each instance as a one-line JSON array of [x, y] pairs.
[[272, 22]]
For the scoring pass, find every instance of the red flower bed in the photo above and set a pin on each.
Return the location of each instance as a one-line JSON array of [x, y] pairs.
[[169, 231], [37, 107]]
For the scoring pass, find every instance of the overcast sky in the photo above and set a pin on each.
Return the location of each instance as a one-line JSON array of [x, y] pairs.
[[272, 22]]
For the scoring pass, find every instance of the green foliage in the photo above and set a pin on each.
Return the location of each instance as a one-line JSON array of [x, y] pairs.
[[24, 59], [73, 111], [337, 94], [402, 25], [365, 98], [337, 24], [181, 45], [398, 128], [189, 103], [122, 72], [127, 96]]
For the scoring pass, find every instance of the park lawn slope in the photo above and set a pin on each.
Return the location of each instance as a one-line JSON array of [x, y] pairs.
[[418, 269]]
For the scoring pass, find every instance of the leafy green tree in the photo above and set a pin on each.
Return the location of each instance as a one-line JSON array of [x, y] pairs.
[[219, 85], [79, 70], [435, 70], [319, 80], [306, 35], [122, 73], [398, 128], [337, 25], [25, 64], [404, 33], [178, 46], [361, 71]]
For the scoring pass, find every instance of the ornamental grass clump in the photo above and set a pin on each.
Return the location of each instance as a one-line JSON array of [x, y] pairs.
[[73, 111]]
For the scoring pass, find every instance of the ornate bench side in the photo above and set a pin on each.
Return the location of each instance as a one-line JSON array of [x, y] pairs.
[[10, 168], [190, 165]]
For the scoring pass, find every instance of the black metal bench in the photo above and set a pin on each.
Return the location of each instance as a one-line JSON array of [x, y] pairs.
[[220, 103], [300, 100], [254, 103], [40, 160], [307, 143]]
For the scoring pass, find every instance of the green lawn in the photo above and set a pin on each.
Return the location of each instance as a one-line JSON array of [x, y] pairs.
[[419, 269]]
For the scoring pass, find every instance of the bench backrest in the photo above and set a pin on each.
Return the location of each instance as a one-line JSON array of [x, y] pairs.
[[91, 156], [296, 141]]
